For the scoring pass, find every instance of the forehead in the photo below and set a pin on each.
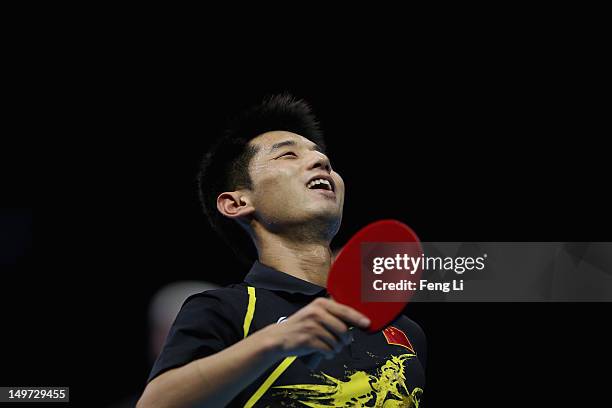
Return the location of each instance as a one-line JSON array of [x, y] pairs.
[[267, 140]]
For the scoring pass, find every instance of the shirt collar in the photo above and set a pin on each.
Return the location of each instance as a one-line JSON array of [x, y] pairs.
[[262, 276]]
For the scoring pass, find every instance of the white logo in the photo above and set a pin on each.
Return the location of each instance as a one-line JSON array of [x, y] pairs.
[[282, 319]]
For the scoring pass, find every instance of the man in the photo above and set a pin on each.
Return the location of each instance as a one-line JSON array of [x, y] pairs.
[[270, 181]]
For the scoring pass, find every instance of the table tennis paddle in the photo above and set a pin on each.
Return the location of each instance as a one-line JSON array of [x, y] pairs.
[[345, 283]]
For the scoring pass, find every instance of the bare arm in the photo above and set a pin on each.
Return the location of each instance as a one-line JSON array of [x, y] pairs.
[[215, 380]]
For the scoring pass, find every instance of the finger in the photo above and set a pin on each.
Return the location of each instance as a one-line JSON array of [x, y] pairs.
[[334, 342], [337, 327], [322, 347], [347, 314]]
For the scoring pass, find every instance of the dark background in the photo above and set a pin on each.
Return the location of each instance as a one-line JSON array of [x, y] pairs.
[[503, 147]]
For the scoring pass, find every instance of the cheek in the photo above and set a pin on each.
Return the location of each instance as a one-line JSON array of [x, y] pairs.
[[339, 183], [277, 183]]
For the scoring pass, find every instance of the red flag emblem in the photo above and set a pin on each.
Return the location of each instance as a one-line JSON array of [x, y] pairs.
[[397, 337]]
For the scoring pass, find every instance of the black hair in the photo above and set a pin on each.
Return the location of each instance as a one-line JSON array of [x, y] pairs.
[[225, 166]]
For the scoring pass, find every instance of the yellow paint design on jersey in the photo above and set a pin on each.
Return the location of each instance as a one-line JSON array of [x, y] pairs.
[[387, 389]]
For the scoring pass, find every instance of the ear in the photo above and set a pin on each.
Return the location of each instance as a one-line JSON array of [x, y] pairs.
[[234, 204]]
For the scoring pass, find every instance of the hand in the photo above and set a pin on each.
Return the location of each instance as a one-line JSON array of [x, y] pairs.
[[320, 327]]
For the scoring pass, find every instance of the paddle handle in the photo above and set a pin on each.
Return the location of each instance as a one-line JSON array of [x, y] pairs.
[[312, 360]]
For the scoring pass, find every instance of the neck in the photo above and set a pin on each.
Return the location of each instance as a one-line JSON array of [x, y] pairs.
[[307, 259]]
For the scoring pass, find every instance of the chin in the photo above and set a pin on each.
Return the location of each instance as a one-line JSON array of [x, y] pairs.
[[330, 219], [323, 212]]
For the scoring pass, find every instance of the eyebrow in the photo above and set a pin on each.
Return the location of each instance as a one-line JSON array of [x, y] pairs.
[[278, 145]]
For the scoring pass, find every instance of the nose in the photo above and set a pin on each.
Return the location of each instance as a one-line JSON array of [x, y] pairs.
[[319, 161]]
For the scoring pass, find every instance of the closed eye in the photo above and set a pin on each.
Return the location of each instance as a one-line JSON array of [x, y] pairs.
[[287, 154]]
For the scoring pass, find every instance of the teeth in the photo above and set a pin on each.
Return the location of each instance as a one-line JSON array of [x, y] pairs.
[[319, 181]]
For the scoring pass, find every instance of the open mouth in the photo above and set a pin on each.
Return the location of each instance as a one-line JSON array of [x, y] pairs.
[[319, 183]]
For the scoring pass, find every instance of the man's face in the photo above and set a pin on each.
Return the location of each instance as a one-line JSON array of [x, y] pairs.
[[294, 184]]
